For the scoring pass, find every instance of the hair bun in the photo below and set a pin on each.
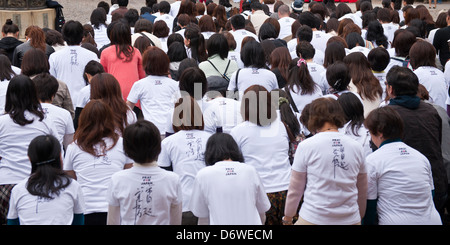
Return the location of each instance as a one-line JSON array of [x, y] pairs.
[[9, 22]]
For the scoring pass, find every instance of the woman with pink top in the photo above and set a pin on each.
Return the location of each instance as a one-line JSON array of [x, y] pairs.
[[122, 60]]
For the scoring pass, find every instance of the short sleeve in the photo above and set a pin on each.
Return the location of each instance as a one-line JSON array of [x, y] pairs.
[[79, 207], [134, 95], [164, 157], [300, 159], [372, 185], [12, 212], [68, 158], [198, 204], [112, 200]]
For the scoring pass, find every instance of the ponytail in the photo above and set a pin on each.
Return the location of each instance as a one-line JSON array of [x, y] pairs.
[[299, 77]]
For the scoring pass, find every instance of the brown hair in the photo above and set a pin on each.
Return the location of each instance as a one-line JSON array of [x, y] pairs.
[[385, 120], [34, 62], [323, 110], [281, 58], [362, 76], [37, 37], [422, 53], [156, 62], [257, 106], [96, 122], [206, 23], [403, 40], [187, 115], [105, 86]]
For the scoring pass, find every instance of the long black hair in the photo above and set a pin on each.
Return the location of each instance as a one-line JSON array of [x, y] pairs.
[[353, 109], [299, 80], [47, 178], [222, 146], [21, 96], [6, 72]]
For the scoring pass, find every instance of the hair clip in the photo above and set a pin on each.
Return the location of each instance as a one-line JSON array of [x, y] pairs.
[[282, 100], [300, 61], [45, 162]]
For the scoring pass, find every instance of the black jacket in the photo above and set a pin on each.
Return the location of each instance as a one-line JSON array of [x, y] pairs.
[[7, 46]]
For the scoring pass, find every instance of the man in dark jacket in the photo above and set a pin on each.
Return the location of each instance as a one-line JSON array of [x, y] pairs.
[[422, 126]]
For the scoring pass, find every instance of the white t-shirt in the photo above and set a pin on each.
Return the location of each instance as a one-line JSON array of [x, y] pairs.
[[34, 210], [236, 56], [363, 50], [68, 66], [166, 18], [229, 193], [318, 74], [332, 162], [100, 36], [389, 30], [381, 76], [400, 178], [157, 95], [14, 140], [266, 149], [144, 194], [3, 88], [185, 152], [447, 80], [239, 35], [253, 76], [320, 39], [301, 100], [222, 112], [434, 81], [83, 97], [94, 173], [61, 118], [174, 8], [285, 27], [363, 136]]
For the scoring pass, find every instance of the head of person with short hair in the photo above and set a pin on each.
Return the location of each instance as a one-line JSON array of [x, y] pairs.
[[217, 44], [142, 142], [252, 55], [164, 7], [403, 40], [91, 69], [325, 114], [46, 87], [222, 147], [401, 81], [422, 53], [338, 77], [34, 62], [304, 33], [384, 123], [257, 106], [378, 58], [156, 62], [122, 3], [73, 32], [193, 82], [187, 115], [237, 22]]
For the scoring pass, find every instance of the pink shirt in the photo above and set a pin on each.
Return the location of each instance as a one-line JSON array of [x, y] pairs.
[[125, 72]]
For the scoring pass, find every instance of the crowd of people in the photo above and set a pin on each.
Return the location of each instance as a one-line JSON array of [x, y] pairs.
[[191, 113]]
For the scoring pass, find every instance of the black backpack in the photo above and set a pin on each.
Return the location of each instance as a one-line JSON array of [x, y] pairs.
[[59, 19]]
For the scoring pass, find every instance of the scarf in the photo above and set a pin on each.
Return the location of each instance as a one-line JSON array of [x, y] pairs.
[[408, 101]]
